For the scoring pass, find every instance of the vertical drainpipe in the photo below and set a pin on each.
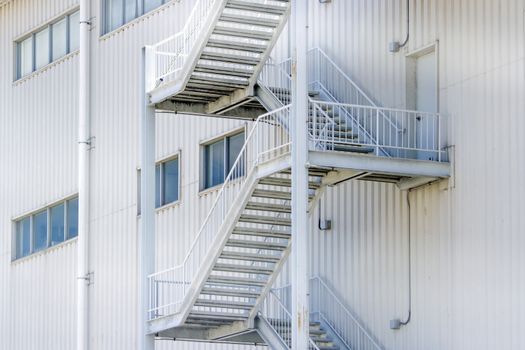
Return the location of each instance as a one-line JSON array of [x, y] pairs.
[[146, 237], [84, 141], [300, 227]]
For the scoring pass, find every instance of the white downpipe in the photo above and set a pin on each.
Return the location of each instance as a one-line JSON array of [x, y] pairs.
[[146, 234], [84, 146], [300, 282]]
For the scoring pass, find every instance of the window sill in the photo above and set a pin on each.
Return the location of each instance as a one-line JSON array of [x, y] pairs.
[[43, 251], [44, 68], [167, 206], [134, 21], [217, 188]]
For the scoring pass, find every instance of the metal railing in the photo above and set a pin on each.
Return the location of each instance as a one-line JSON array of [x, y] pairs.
[[328, 80], [266, 141], [171, 53], [279, 317], [326, 307], [422, 139]]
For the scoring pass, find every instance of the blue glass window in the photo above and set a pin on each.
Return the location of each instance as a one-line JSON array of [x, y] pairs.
[[40, 231], [72, 218], [23, 237], [57, 224], [220, 157]]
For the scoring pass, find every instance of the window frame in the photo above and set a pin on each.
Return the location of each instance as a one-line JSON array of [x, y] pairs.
[[139, 12], [204, 161], [16, 221], [49, 26], [160, 162]]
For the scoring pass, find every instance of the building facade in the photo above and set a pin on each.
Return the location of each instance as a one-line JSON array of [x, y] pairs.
[[445, 256]]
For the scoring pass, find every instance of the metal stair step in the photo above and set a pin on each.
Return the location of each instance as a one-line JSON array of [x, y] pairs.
[[249, 17], [216, 316], [223, 304], [285, 182], [230, 292], [272, 194], [241, 243], [236, 281], [243, 256], [224, 69], [249, 269], [313, 172], [236, 56], [261, 206], [245, 31], [267, 220], [225, 80], [274, 8], [229, 42]]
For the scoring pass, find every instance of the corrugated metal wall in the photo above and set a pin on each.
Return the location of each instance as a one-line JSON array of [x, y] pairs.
[[38, 165], [467, 266]]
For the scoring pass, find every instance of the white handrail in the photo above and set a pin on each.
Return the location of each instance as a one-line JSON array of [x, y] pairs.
[[325, 296], [171, 53], [330, 309], [277, 315], [265, 141], [421, 141]]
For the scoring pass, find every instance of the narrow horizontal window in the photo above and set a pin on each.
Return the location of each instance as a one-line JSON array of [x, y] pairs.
[[48, 44], [119, 12], [45, 228]]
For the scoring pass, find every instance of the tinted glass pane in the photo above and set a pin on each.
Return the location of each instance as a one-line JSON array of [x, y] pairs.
[[171, 181], [40, 231], [114, 14], [72, 218], [23, 238], [157, 186], [214, 155], [74, 36], [59, 31], [42, 48], [151, 4], [131, 10], [235, 144], [57, 224], [26, 56]]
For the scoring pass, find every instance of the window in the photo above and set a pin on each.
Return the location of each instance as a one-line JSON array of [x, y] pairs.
[[59, 36], [48, 44], [166, 183], [219, 158], [120, 12], [46, 228]]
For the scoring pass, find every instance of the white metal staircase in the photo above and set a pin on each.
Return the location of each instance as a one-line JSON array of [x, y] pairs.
[[212, 66], [214, 62]]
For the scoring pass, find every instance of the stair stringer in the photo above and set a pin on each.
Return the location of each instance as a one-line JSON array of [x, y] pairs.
[[231, 219], [269, 335]]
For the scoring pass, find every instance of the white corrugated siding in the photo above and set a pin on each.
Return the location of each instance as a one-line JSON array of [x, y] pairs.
[[468, 275], [38, 165]]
